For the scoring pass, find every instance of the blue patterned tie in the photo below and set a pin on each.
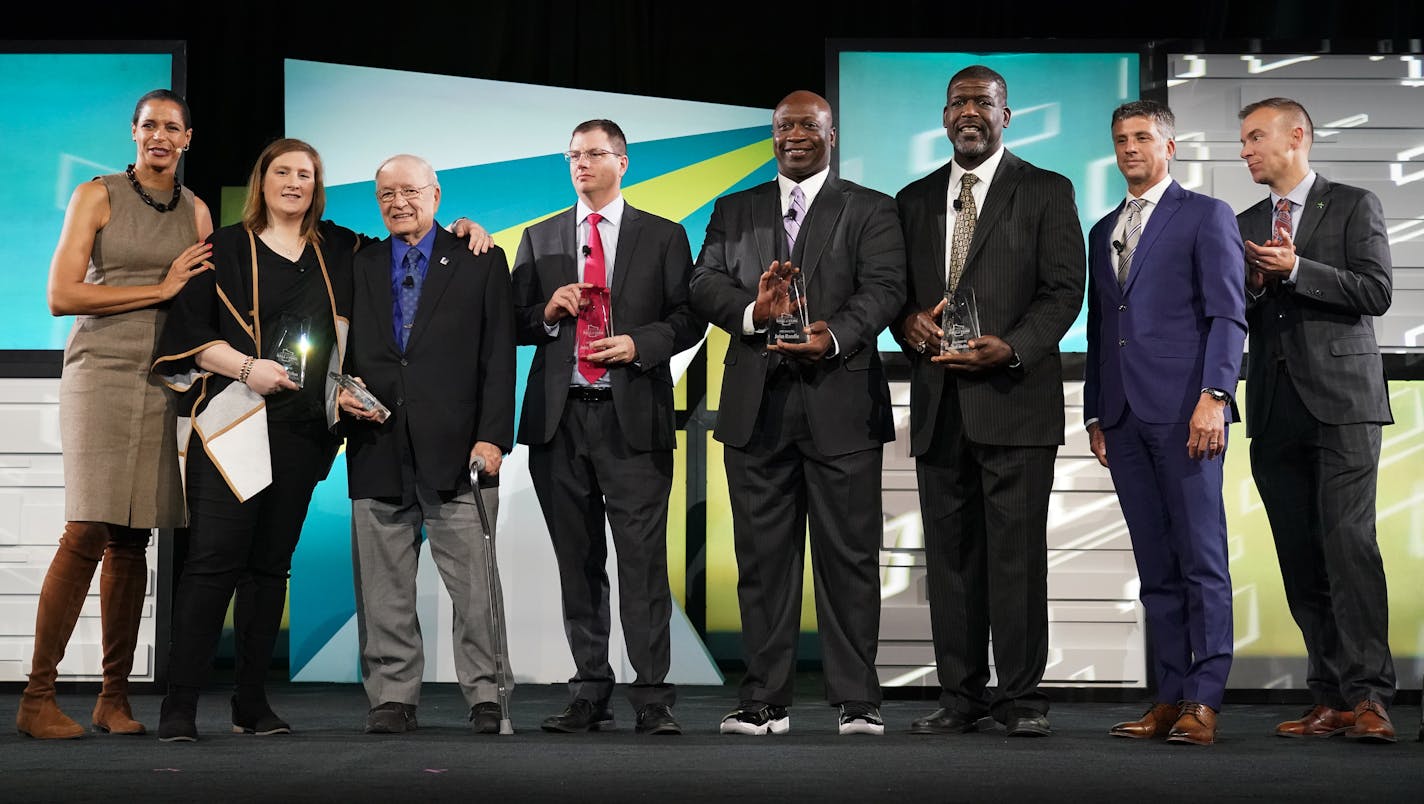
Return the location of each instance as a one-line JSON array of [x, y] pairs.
[[794, 215], [409, 294]]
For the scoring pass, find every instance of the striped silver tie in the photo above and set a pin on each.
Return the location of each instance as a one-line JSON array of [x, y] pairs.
[[1129, 241]]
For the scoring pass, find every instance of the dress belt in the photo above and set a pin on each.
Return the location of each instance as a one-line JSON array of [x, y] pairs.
[[588, 393]]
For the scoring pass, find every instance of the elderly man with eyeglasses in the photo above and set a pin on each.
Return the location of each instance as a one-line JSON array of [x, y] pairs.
[[432, 336]]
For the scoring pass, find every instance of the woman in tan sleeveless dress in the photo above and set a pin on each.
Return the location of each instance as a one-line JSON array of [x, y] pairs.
[[130, 242]]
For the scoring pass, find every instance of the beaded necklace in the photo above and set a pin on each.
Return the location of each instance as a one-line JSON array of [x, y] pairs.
[[148, 199]]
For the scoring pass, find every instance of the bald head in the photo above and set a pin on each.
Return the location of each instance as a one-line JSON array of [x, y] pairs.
[[802, 134]]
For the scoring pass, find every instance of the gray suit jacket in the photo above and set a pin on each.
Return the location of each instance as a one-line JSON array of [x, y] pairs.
[[650, 279], [1323, 325], [1027, 268], [853, 260]]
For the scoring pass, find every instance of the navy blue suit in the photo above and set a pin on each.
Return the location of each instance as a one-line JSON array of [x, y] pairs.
[[1175, 327]]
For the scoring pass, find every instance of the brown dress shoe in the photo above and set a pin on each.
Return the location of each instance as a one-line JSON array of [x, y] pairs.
[[1320, 721], [1371, 724], [1155, 725], [1196, 726]]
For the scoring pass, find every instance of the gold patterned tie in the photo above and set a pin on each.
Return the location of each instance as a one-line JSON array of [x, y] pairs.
[[963, 229]]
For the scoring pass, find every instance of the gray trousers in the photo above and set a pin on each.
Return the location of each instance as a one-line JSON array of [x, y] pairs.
[[385, 547]]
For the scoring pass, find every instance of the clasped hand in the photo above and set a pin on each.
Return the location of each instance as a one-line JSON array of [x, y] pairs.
[[1271, 261]]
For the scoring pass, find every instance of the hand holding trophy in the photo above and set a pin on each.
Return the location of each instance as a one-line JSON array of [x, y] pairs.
[[595, 320], [291, 347], [959, 321], [789, 317]]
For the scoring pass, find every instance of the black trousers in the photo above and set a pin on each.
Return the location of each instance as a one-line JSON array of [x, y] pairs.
[[242, 552], [585, 472], [985, 513], [1318, 483], [777, 482]]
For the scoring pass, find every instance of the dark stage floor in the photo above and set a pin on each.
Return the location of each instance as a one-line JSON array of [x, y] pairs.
[[329, 759]]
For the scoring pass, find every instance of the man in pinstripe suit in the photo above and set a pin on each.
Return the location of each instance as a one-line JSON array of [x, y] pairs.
[[1316, 400], [986, 423]]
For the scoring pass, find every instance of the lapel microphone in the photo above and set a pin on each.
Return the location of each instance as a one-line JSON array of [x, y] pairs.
[[409, 281], [1118, 247], [587, 251], [791, 214], [958, 205]]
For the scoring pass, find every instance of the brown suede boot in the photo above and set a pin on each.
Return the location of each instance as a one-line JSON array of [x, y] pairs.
[[61, 599], [122, 584]]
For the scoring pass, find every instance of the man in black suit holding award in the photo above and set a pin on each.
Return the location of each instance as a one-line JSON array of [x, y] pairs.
[[601, 290], [803, 420], [432, 336], [1317, 273], [986, 422]]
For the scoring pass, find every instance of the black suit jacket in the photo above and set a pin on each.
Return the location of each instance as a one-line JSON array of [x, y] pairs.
[[453, 385], [650, 279], [1323, 325], [1027, 268], [852, 256]]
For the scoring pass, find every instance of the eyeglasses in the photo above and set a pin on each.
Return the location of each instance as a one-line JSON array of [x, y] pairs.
[[408, 193], [574, 157]]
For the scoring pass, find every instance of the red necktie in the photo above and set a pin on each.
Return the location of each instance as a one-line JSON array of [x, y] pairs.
[[1283, 219], [593, 321]]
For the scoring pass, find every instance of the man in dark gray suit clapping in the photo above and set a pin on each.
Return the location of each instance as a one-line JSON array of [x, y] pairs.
[[1317, 272]]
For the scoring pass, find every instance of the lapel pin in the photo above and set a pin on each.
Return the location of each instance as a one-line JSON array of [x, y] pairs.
[[1320, 205], [444, 260]]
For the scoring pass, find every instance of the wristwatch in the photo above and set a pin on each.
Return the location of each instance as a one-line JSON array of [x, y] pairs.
[[1217, 394]]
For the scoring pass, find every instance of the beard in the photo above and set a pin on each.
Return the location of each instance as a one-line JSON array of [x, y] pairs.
[[970, 143]]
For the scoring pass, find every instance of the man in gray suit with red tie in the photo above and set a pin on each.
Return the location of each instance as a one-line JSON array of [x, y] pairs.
[[601, 290], [1317, 273], [985, 424], [1166, 323], [803, 424]]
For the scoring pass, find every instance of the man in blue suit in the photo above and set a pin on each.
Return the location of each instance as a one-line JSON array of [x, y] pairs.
[[1166, 324]]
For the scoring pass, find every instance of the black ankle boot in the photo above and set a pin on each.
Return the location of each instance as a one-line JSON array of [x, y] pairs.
[[252, 715], [178, 718]]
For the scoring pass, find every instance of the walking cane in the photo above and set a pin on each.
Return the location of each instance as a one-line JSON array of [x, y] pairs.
[[496, 600]]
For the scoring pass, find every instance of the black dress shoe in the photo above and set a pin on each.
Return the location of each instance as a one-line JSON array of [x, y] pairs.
[[581, 715], [1027, 723], [946, 721], [485, 717], [252, 715], [656, 718], [391, 718]]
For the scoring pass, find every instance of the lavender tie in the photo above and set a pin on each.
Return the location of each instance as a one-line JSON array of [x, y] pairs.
[[794, 216]]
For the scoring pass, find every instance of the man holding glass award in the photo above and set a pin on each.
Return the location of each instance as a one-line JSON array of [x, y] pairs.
[[996, 278], [432, 337], [805, 411], [601, 290]]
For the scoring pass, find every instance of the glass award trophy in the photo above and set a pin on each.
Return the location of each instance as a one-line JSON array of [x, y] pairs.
[[363, 396], [959, 321], [595, 320], [790, 318], [290, 348]]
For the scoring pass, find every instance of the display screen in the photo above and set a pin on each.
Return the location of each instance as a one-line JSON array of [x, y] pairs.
[[66, 118]]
